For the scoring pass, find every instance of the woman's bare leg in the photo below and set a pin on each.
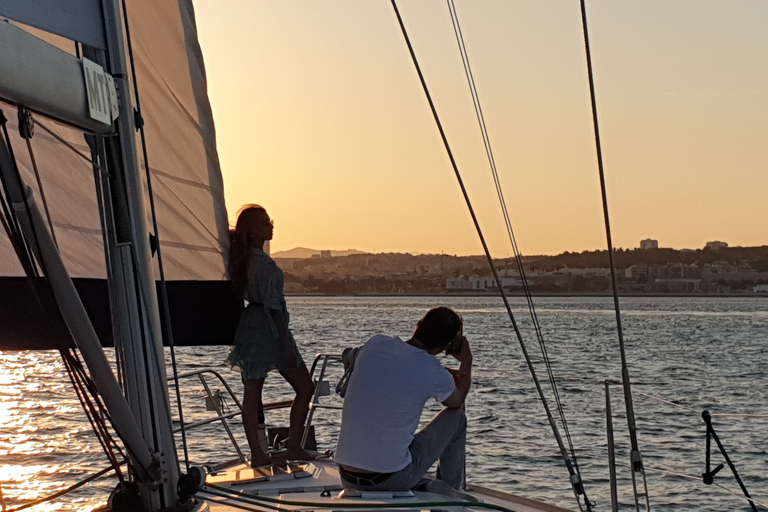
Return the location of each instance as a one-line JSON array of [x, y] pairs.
[[252, 408], [301, 383]]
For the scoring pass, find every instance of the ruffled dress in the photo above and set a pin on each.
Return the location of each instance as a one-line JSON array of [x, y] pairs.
[[258, 348]]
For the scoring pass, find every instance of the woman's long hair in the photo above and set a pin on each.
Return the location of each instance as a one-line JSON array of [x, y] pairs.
[[239, 249]]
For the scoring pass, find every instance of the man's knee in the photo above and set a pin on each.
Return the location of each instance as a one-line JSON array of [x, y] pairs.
[[459, 413], [456, 417]]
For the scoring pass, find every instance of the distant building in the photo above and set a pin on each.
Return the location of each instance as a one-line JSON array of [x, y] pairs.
[[489, 283], [677, 285], [636, 272], [458, 283], [649, 243], [714, 246], [481, 283], [325, 254]]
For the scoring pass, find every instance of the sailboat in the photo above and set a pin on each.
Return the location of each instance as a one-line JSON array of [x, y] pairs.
[[111, 183], [133, 118]]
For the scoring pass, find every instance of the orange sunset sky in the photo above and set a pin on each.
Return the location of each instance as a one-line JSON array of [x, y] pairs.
[[321, 118]]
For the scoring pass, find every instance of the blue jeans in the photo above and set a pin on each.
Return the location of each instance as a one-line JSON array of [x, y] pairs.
[[442, 440]]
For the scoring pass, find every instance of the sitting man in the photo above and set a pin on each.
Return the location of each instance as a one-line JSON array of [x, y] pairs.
[[392, 380]]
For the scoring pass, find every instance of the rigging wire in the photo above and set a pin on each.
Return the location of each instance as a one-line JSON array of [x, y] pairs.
[[508, 223], [94, 407], [698, 478], [4, 215], [722, 414], [166, 321], [26, 130], [576, 483], [26, 255], [61, 493], [85, 388], [635, 457], [66, 143], [40, 189]]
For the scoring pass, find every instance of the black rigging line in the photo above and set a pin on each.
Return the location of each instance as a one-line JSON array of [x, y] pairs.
[[508, 222], [24, 250], [67, 144], [26, 129], [94, 408], [576, 484], [62, 492], [709, 475], [635, 457], [84, 387]]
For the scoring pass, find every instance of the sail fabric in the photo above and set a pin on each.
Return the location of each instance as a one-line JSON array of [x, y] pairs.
[[181, 147], [180, 138], [70, 195]]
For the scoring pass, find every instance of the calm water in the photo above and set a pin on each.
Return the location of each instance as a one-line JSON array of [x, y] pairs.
[[685, 356]]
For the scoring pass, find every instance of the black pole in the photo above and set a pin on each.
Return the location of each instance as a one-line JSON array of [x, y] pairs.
[[709, 476]]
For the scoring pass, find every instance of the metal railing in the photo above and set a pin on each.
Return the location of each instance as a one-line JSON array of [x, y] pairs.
[[216, 403], [322, 388]]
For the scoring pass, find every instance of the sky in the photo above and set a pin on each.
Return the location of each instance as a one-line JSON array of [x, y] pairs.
[[320, 118]]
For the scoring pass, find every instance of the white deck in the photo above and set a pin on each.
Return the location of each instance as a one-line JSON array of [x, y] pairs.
[[317, 484]]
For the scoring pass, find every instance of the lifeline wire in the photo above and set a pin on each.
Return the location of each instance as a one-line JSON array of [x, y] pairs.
[[697, 478], [635, 457], [488, 256], [166, 324], [508, 223]]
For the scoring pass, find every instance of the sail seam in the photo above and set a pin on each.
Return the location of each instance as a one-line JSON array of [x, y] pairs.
[[191, 183]]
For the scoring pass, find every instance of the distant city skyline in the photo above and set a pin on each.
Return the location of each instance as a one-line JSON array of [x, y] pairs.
[[305, 252], [321, 118]]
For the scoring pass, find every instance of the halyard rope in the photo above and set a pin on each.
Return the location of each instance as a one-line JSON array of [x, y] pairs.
[[636, 460], [510, 233], [575, 485]]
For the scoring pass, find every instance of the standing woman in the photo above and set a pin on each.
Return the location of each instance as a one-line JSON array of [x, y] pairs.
[[263, 341]]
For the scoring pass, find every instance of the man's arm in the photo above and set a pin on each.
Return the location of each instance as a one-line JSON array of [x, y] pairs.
[[462, 377]]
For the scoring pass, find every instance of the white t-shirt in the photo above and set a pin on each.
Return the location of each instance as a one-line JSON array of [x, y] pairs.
[[388, 388]]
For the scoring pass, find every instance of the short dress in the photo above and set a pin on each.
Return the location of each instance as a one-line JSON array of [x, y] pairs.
[[258, 348]]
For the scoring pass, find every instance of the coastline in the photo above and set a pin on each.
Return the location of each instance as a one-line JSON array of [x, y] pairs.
[[543, 294]]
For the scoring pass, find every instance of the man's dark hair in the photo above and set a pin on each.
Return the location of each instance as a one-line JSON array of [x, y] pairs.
[[438, 327]]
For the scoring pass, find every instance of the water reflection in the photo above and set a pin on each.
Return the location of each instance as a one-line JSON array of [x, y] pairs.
[[46, 443]]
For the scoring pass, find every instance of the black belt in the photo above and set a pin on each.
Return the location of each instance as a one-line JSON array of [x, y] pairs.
[[363, 478]]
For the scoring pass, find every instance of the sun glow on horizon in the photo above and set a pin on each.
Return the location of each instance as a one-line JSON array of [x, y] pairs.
[[321, 118]]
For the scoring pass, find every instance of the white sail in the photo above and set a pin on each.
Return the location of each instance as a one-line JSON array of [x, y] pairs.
[[181, 147]]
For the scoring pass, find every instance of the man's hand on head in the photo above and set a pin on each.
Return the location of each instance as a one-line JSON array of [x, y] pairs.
[[465, 354], [462, 376]]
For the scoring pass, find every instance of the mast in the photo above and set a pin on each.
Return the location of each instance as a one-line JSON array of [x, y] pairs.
[[55, 85], [133, 285]]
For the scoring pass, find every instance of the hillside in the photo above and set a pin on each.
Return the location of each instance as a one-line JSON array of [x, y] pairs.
[[303, 252], [725, 270]]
